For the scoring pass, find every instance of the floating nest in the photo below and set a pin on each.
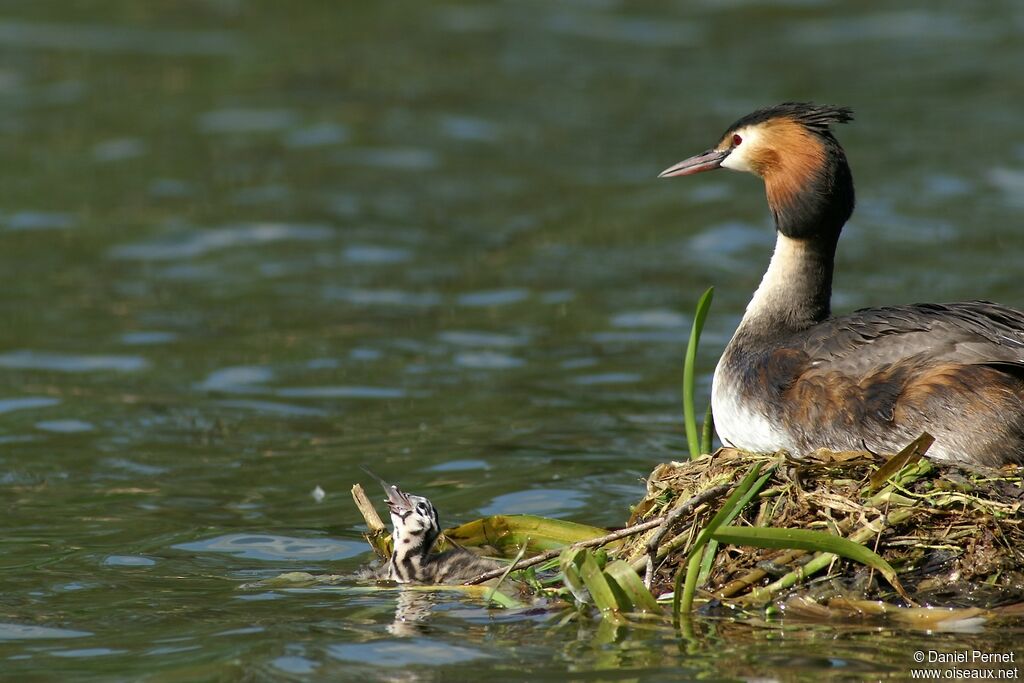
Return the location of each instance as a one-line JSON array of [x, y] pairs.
[[954, 536], [922, 533]]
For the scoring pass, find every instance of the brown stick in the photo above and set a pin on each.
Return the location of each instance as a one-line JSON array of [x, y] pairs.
[[376, 533], [602, 540], [366, 509]]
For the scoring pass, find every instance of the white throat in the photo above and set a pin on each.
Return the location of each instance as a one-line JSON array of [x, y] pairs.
[[739, 421], [787, 259]]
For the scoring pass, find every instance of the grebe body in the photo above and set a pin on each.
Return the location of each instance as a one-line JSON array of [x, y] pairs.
[[794, 377]]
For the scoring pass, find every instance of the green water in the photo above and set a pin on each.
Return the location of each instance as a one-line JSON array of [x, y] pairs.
[[246, 247]]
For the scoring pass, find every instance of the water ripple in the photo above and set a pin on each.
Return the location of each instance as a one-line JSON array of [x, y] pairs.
[[86, 652], [469, 19], [1010, 181], [636, 336], [118, 149], [549, 502], [236, 379], [246, 120], [99, 38], [382, 297], [135, 467], [484, 339], [498, 297], [39, 220], [318, 135], [25, 632], [129, 561], [423, 651], [657, 318], [656, 33], [23, 403], [190, 245], [892, 25], [341, 392], [69, 426], [728, 239], [145, 338], [391, 158], [273, 408], [607, 378], [468, 128], [67, 362], [372, 254], [487, 360], [293, 664], [270, 547]]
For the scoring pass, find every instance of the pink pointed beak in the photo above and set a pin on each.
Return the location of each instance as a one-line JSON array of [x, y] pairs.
[[705, 161]]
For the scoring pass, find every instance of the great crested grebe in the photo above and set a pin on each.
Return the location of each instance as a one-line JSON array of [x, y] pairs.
[[795, 378], [416, 526]]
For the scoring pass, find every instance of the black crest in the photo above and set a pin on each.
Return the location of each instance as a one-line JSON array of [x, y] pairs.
[[816, 117]]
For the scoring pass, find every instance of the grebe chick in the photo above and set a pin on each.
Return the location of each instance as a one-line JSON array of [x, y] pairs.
[[795, 378], [415, 528]]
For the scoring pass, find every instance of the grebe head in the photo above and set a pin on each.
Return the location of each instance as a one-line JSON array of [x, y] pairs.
[[414, 518], [791, 147]]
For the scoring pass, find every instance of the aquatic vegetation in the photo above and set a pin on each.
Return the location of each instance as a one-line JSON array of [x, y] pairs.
[[698, 441]]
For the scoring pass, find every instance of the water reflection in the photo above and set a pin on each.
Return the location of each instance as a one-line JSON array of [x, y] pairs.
[[405, 653]]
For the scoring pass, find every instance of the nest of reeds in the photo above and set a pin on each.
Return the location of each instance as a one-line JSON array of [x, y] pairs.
[[955, 537]]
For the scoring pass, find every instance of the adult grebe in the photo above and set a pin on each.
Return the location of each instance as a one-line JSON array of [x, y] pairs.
[[793, 377]]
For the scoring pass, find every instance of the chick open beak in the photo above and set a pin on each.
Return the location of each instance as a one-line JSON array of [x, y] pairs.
[[398, 500], [705, 161]]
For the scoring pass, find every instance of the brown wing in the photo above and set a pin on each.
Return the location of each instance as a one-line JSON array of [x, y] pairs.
[[956, 369], [963, 333]]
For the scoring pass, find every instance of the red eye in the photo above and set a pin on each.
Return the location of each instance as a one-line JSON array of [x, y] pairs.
[[736, 140]]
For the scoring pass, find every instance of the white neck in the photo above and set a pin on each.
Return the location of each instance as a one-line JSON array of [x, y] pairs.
[[796, 289]]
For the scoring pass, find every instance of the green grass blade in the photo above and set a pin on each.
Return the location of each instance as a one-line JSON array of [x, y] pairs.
[[501, 580], [706, 561], [741, 504], [571, 575], [689, 586], [677, 598], [689, 372], [684, 603], [632, 587], [805, 539], [502, 600], [707, 432], [605, 597], [730, 508]]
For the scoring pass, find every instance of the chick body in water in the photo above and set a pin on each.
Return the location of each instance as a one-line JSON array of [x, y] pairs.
[[415, 528]]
